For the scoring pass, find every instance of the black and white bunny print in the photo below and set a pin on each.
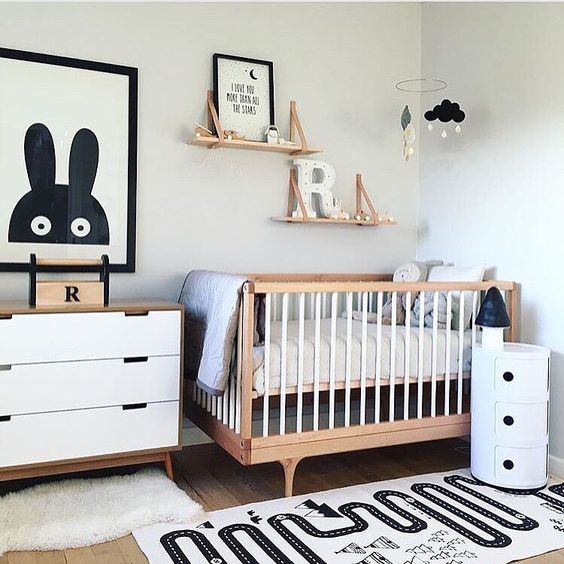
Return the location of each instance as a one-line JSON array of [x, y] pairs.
[[59, 213]]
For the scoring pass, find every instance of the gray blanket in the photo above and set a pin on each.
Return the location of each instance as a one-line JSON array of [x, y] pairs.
[[212, 302]]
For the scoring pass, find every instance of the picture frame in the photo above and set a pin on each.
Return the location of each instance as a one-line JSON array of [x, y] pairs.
[[243, 90], [68, 160]]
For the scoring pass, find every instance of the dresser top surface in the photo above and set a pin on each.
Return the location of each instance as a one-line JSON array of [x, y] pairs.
[[22, 307]]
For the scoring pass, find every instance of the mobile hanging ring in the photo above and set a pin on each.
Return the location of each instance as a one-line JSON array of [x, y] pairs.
[[421, 85]]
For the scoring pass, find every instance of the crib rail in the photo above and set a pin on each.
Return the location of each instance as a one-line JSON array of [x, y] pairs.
[[333, 316]]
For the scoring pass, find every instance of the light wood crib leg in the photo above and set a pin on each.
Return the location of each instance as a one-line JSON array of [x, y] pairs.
[[168, 466], [289, 465]]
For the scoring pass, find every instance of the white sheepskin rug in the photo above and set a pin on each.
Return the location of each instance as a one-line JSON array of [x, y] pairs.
[[83, 512]]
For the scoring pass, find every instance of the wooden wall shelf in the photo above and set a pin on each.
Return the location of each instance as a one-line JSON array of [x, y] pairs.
[[220, 140], [213, 143], [294, 195], [333, 221]]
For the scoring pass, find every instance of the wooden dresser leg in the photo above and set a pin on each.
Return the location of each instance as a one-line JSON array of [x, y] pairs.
[[168, 466], [289, 465]]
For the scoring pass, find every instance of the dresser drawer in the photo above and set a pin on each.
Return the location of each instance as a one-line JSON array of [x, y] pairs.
[[47, 437], [52, 337], [521, 422], [58, 386], [515, 466], [521, 378]]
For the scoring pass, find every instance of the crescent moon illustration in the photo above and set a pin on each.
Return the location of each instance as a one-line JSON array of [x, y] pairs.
[[252, 75]]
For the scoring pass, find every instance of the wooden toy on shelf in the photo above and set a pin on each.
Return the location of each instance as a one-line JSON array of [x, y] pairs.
[[232, 135], [202, 131], [296, 145]]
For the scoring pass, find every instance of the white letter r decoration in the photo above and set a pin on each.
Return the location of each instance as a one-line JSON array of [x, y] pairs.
[[311, 182]]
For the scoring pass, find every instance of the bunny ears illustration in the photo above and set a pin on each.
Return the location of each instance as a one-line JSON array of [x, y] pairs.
[[59, 213]]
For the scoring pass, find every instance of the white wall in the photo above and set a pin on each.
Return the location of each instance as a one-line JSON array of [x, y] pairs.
[[495, 194], [210, 209]]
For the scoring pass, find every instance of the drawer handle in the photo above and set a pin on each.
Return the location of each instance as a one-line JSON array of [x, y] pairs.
[[136, 313], [508, 464], [131, 406], [131, 359], [508, 420], [4, 418], [508, 376], [5, 367]]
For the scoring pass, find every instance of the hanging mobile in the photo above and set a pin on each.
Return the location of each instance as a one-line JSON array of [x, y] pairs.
[[446, 112], [417, 86]]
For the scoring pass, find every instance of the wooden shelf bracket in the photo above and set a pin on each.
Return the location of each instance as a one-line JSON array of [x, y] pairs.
[[213, 121], [362, 193], [296, 124], [294, 195]]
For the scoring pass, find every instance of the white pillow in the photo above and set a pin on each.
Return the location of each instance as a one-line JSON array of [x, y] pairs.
[[458, 274]]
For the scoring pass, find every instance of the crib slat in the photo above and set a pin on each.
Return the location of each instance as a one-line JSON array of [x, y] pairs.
[[474, 315], [266, 370], [301, 337], [214, 406], [407, 362], [333, 358], [232, 401], [460, 354], [225, 402], [316, 362], [208, 402], [363, 358], [274, 307], [393, 357], [371, 301], [324, 305], [220, 407], [379, 306], [420, 355], [283, 363], [435, 354], [447, 353], [239, 384], [348, 360]]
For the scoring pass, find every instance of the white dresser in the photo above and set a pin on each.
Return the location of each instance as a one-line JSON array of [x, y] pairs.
[[89, 388], [510, 409]]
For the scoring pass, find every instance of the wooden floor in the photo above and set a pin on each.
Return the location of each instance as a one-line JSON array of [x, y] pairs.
[[217, 481]]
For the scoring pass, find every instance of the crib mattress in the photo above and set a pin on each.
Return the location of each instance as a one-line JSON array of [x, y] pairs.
[[371, 354]]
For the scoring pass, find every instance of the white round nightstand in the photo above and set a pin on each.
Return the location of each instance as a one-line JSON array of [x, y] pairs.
[[509, 407]]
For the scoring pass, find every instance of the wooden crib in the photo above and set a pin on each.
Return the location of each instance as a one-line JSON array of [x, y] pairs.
[[327, 381]]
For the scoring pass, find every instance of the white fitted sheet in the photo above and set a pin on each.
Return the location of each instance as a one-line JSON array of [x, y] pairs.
[[371, 353]]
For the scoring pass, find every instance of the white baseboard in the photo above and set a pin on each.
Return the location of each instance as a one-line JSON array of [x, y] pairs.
[[556, 466]]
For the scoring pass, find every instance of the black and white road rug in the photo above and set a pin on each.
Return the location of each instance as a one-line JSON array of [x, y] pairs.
[[433, 519]]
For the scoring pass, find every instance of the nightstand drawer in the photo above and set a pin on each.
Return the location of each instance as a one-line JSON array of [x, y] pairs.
[[52, 337], [514, 466], [521, 421], [521, 378], [58, 386], [31, 439]]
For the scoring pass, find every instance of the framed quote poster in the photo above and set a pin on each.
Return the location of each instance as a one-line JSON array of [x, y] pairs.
[[68, 160], [244, 95]]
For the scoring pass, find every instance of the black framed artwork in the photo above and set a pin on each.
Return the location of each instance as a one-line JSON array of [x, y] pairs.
[[68, 160], [244, 94]]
